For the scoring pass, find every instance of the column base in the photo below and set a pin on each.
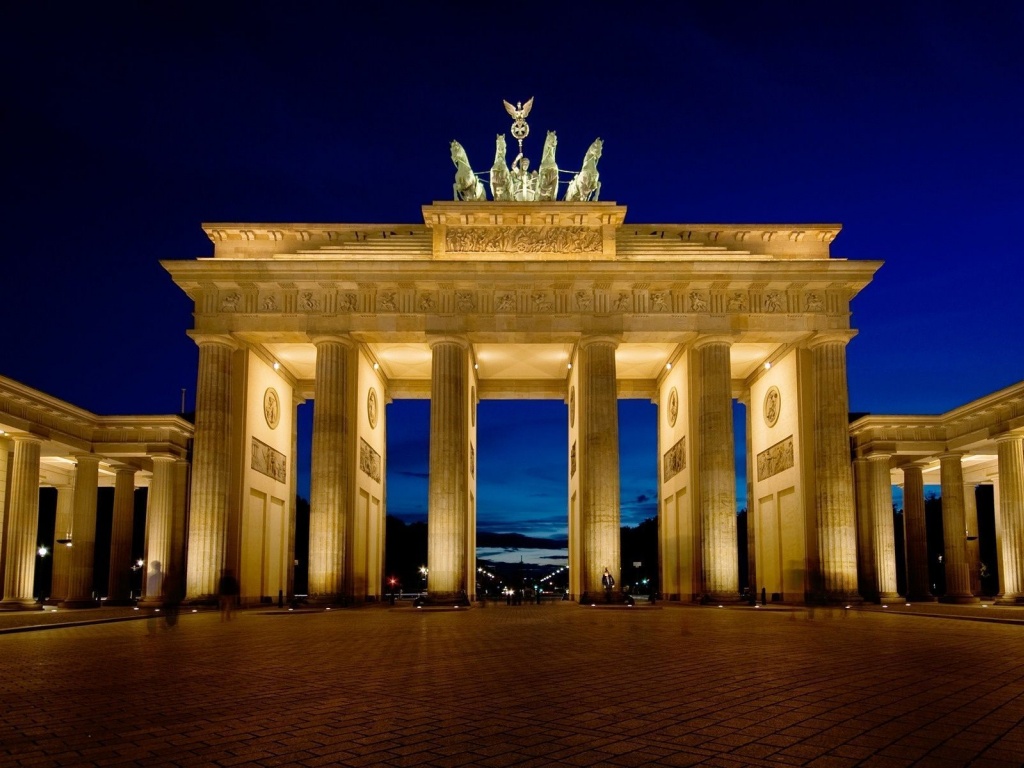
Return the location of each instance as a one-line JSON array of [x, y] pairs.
[[960, 599], [79, 603], [888, 597], [606, 597], [716, 598], [434, 599], [1010, 600], [835, 599], [927, 597], [20, 605]]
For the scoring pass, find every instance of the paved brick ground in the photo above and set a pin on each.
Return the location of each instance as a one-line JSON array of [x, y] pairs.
[[517, 686]]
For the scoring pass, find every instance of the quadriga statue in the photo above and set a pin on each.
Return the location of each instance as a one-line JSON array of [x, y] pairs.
[[547, 176], [585, 185], [467, 186], [501, 180]]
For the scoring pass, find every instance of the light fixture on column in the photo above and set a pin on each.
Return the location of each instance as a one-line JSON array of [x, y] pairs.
[[43, 551], [668, 366], [569, 366], [767, 366], [277, 366], [376, 366]]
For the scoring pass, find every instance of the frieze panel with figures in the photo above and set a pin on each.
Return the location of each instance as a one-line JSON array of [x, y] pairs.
[[269, 461], [523, 240], [369, 460], [776, 459], [675, 459]]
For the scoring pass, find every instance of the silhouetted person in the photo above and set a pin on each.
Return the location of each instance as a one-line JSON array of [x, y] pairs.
[[171, 595], [608, 582], [227, 592]]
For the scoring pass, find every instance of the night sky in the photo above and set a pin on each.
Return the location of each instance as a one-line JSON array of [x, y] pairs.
[[127, 125]]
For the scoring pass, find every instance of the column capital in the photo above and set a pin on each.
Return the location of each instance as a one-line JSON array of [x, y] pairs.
[[162, 457], [707, 339], [332, 338], [831, 337], [24, 437], [879, 457], [589, 340], [461, 341], [950, 455], [85, 457], [213, 339], [1007, 437]]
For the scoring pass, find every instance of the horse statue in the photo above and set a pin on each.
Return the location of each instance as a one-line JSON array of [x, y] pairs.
[[547, 177], [585, 186], [467, 186], [501, 181]]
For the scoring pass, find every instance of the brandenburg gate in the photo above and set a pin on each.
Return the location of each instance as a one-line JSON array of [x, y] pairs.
[[523, 296]]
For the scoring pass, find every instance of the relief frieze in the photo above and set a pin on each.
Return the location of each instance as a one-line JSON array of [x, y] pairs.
[[675, 459], [369, 460], [776, 459], [268, 461], [523, 240]]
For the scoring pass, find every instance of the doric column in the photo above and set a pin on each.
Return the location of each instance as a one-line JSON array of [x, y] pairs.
[[717, 470], [598, 457], [918, 583], [119, 581], [1010, 448], [954, 531], [83, 550], [62, 546], [22, 525], [158, 585], [330, 502], [884, 539], [867, 582], [179, 522], [210, 457], [837, 532], [448, 507], [973, 548]]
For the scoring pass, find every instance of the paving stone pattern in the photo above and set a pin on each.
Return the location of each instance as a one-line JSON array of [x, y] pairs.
[[550, 685]]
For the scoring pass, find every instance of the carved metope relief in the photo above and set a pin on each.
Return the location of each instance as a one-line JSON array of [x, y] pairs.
[[572, 407], [572, 461], [675, 459], [268, 461], [775, 459], [369, 460]]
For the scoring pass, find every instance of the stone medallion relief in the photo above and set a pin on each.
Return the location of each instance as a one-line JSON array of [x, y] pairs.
[[472, 406], [371, 407], [772, 406], [673, 407], [271, 407], [572, 406]]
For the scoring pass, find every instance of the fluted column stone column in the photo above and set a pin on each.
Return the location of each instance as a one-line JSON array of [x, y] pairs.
[[448, 508], [158, 587], [884, 539], [867, 582], [330, 504], [833, 498], [207, 529], [119, 579], [598, 459], [63, 535], [954, 531], [1010, 448], [918, 582], [22, 525], [973, 548], [179, 523], [83, 550], [717, 471]]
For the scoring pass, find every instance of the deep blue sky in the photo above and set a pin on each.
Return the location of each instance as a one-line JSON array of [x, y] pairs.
[[127, 125]]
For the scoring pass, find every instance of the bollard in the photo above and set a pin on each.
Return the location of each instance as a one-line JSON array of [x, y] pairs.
[[280, 598]]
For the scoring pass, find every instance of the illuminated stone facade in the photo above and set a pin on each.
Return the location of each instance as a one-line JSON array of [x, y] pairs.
[[527, 300]]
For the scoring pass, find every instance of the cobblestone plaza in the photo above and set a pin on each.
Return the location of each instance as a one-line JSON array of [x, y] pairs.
[[556, 684]]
